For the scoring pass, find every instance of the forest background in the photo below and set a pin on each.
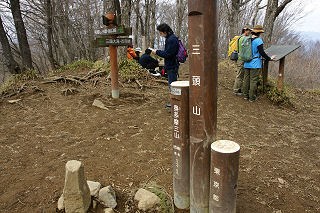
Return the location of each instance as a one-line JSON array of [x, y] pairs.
[[46, 34]]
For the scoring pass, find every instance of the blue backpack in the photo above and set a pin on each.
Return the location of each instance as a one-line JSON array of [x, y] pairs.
[[182, 53]]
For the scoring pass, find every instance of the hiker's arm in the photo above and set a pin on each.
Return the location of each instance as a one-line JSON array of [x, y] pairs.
[[263, 53], [171, 51]]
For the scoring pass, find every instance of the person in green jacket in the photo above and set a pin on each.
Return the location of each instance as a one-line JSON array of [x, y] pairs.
[[246, 31]]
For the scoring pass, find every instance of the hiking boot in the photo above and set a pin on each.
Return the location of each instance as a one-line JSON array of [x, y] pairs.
[[238, 93], [246, 98], [156, 74], [168, 105], [253, 100]]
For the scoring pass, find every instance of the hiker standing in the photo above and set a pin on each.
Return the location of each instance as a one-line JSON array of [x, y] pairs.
[[171, 65], [252, 67], [238, 82]]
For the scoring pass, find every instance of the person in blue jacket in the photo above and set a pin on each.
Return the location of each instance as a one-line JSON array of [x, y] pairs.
[[171, 65], [252, 68]]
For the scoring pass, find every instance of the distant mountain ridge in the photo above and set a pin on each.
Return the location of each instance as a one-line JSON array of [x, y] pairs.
[[314, 36]]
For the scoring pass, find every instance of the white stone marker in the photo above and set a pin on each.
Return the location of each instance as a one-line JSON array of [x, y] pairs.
[[147, 199], [76, 191]]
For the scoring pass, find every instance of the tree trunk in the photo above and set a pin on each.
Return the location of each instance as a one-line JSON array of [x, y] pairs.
[[272, 12], [137, 11], [147, 22], [21, 34], [53, 63], [153, 23], [7, 54], [180, 13], [126, 12]]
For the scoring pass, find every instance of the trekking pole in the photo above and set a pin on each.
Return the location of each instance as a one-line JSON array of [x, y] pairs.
[[181, 161], [224, 176], [203, 66]]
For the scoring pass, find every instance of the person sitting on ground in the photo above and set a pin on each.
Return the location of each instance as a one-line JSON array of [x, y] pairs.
[[130, 52], [148, 62], [138, 51], [252, 68]]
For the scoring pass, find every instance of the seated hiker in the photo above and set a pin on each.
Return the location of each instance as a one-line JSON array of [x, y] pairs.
[[138, 51], [148, 62], [130, 52]]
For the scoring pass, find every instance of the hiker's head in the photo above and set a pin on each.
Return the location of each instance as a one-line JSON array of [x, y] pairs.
[[164, 30], [246, 30], [257, 30], [130, 46], [147, 51]]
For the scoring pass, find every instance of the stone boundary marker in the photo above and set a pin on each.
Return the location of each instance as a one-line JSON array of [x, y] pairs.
[[76, 191]]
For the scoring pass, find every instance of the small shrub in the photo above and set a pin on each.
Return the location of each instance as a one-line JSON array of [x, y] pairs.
[[274, 94], [130, 70], [28, 74], [75, 65]]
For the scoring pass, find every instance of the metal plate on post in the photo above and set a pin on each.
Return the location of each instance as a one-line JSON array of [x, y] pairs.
[[105, 42], [119, 30], [281, 51]]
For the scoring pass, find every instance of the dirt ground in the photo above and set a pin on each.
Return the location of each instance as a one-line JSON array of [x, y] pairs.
[[130, 144]]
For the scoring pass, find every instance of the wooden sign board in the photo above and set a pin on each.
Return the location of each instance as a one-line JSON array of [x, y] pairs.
[[105, 42], [281, 51], [119, 30]]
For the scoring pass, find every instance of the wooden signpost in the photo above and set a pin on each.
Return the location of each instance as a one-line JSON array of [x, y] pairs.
[[108, 38], [203, 66], [281, 51]]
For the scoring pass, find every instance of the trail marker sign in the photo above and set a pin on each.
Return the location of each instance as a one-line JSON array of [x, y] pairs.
[[106, 41], [118, 30]]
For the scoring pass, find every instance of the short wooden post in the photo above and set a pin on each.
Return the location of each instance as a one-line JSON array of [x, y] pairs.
[[265, 75], [224, 176], [181, 142], [281, 73]]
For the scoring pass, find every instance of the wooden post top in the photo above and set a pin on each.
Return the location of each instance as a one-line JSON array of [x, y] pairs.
[[225, 146], [180, 84]]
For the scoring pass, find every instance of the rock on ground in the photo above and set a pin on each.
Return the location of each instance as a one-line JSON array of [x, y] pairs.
[[61, 203], [147, 199], [76, 191], [108, 196], [94, 188]]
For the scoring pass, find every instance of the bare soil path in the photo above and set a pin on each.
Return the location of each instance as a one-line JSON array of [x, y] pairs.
[[130, 144]]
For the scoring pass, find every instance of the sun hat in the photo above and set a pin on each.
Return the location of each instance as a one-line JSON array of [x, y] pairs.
[[138, 49], [247, 27], [258, 29]]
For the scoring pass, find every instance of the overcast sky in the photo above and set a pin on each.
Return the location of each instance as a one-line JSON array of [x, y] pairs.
[[311, 21]]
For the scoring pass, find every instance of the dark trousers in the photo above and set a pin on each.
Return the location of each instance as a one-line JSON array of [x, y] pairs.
[[172, 75], [151, 66]]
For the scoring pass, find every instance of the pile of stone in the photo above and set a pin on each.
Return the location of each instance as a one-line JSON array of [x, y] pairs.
[[79, 195]]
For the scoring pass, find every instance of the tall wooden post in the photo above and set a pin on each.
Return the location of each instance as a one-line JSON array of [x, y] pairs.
[[265, 74], [181, 153], [224, 176], [281, 73], [203, 66], [113, 64]]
